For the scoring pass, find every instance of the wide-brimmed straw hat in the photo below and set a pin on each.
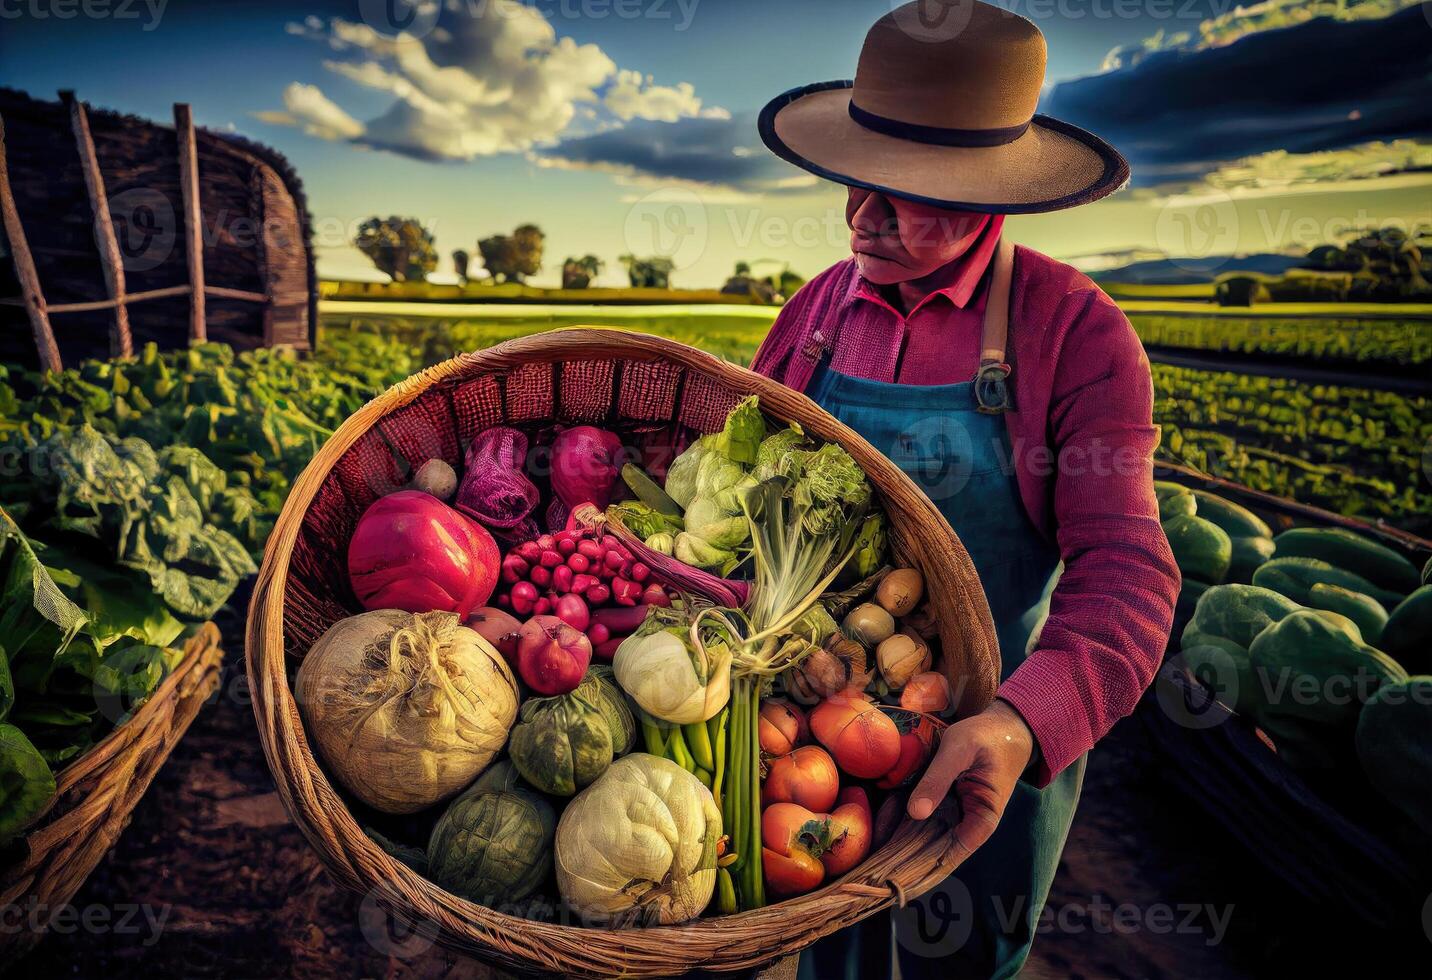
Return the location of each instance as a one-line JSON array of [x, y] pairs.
[[941, 111]]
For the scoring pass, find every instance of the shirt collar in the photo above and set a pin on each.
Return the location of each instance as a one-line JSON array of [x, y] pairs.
[[972, 267]]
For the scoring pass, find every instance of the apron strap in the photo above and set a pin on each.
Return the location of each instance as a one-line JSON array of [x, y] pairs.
[[992, 389]]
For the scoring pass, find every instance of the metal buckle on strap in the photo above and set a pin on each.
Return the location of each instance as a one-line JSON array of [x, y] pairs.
[[992, 388]]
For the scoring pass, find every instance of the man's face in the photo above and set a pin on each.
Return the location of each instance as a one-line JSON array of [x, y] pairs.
[[895, 240]]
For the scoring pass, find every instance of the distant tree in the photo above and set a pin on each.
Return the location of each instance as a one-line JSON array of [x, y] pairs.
[[579, 273], [400, 247], [1236, 290], [767, 289], [460, 261], [653, 273], [513, 257]]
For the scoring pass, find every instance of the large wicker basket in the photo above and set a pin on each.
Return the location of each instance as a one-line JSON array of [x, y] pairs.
[[96, 795], [645, 385]]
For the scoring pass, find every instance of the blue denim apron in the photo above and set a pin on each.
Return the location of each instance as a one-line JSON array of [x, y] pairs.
[[981, 921]]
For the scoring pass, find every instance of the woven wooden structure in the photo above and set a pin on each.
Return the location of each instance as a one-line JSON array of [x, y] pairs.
[[1340, 850], [657, 394], [121, 231], [96, 795]]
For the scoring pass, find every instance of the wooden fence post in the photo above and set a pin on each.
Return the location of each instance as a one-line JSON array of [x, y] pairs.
[[193, 220], [121, 344], [25, 271]]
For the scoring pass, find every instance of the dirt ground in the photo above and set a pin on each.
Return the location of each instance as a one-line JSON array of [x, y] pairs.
[[211, 879]]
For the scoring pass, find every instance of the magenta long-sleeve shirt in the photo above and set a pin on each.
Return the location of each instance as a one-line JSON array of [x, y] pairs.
[[1082, 439]]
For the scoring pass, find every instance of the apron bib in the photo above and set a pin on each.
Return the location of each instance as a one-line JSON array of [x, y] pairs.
[[951, 440]]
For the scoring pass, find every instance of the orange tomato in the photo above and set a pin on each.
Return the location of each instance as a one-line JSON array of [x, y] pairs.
[[793, 839], [782, 726], [806, 776], [863, 740], [917, 744], [928, 693], [851, 827], [791, 874]]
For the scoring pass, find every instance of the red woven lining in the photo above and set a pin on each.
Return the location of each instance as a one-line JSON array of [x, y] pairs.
[[424, 430], [648, 390], [586, 391]]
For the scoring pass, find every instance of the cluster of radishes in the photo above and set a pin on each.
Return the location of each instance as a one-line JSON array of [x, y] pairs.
[[586, 579]]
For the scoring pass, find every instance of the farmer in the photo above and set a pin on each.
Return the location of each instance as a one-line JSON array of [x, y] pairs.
[[1016, 395]]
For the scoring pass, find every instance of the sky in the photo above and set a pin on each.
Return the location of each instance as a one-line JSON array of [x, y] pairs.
[[629, 125]]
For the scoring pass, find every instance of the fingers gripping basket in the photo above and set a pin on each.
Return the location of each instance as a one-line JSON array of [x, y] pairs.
[[656, 393]]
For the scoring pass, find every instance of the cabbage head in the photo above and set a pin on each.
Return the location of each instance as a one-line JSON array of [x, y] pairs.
[[681, 474], [493, 844], [561, 744], [638, 846]]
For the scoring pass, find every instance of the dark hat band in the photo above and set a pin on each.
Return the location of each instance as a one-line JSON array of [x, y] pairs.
[[938, 135]]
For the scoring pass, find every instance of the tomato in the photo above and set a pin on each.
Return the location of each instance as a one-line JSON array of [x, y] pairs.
[[791, 874], [783, 727], [806, 776], [917, 744], [851, 827], [863, 740], [793, 840], [928, 692]]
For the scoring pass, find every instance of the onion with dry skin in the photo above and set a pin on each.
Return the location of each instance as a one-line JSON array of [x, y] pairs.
[[406, 708], [901, 657], [869, 623], [900, 591]]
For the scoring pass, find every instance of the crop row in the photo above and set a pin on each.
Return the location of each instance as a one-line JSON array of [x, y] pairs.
[[1392, 341], [1350, 450]]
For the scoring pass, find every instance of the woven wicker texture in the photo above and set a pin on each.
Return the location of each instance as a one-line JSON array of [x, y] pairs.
[[657, 394], [96, 795]]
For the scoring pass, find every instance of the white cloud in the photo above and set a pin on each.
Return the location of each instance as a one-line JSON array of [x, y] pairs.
[[496, 78], [632, 96], [319, 116]]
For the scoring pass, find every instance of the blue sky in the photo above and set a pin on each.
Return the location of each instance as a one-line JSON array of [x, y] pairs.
[[665, 93]]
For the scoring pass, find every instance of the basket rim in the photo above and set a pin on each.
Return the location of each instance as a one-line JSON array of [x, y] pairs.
[[913, 861]]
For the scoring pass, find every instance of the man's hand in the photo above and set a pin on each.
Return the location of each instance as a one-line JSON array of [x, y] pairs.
[[983, 758]]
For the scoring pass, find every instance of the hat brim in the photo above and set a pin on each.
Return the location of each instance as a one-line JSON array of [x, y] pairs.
[[1052, 166]]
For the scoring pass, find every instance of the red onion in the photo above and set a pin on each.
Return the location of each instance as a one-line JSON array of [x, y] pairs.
[[498, 628], [413, 552], [586, 462], [552, 656], [495, 489]]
